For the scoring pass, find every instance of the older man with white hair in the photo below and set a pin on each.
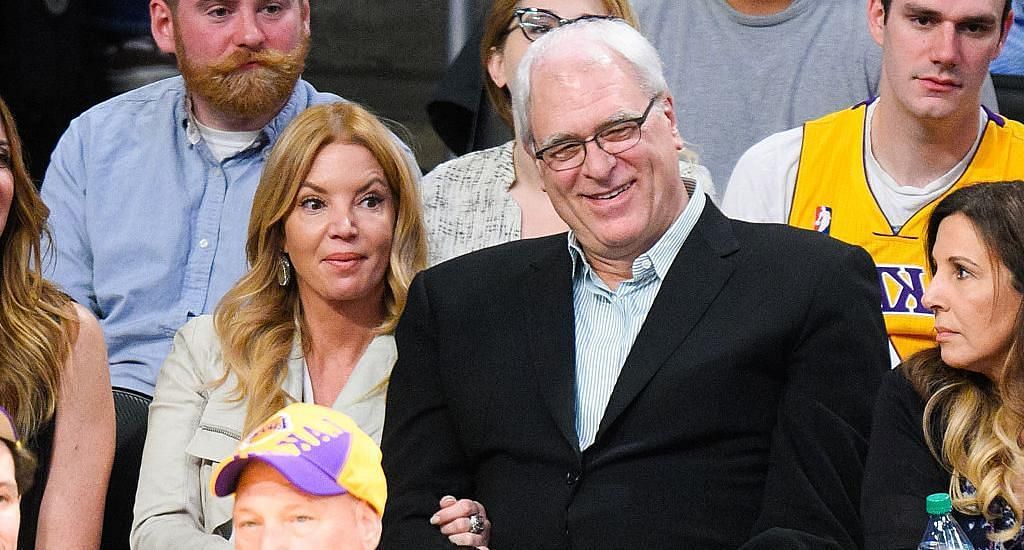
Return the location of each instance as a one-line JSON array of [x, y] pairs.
[[660, 377]]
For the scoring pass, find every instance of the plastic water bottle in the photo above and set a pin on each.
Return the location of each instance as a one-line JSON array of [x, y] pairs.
[[942, 532]]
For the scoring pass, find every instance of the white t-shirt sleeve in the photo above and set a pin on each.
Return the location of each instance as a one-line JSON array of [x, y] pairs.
[[761, 186]]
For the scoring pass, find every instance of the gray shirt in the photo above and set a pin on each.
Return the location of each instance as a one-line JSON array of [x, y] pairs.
[[737, 78]]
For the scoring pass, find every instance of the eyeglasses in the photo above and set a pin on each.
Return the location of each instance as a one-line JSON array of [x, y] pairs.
[[535, 22], [616, 138]]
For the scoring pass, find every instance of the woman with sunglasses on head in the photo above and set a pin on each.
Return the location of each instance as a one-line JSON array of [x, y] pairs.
[[53, 373], [496, 195], [951, 418]]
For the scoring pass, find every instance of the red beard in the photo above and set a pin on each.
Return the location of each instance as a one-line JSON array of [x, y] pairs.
[[238, 91]]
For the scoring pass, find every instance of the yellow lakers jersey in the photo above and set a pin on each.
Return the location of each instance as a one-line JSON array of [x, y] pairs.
[[832, 196]]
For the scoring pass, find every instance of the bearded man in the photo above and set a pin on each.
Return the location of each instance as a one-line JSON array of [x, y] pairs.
[[150, 191]]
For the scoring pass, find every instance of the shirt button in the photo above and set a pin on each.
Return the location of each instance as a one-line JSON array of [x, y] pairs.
[[203, 243], [571, 478], [645, 263]]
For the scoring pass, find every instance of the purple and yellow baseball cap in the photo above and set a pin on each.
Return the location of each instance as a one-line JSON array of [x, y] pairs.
[[319, 450]]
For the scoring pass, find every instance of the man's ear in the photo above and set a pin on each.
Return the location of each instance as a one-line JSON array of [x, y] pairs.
[[305, 16], [1007, 25], [161, 24], [369, 525], [670, 112], [876, 20]]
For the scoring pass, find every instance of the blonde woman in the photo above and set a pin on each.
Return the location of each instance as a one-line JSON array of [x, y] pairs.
[[335, 237], [53, 373], [951, 418]]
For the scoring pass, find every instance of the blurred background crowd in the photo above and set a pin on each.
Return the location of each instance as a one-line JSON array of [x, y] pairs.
[[72, 54]]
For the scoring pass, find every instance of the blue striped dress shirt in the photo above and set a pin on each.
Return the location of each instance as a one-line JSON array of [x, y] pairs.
[[608, 321]]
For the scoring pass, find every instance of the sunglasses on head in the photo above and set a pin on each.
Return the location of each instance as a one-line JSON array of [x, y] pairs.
[[535, 22]]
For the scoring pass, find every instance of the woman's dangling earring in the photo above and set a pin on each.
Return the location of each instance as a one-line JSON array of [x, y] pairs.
[[284, 270]]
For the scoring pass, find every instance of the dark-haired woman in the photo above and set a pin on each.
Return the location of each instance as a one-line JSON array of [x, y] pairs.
[[951, 418]]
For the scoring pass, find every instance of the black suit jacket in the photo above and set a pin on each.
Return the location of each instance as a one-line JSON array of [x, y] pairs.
[[740, 416]]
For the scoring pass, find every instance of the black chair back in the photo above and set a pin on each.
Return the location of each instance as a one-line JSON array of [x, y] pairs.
[[131, 409], [1010, 94]]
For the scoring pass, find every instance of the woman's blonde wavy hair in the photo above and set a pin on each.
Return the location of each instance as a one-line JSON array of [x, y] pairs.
[[973, 424], [38, 325], [257, 319]]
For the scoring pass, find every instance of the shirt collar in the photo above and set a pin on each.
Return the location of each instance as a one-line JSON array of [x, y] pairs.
[[269, 133], [190, 123], [661, 255]]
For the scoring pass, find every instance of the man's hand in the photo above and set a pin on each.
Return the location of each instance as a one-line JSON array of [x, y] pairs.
[[457, 519]]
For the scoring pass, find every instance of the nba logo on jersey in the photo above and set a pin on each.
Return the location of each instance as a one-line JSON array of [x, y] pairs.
[[822, 219]]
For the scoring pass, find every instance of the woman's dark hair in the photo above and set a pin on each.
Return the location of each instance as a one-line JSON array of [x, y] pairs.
[[973, 424], [997, 212]]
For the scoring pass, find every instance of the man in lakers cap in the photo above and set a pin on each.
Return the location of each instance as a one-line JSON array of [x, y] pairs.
[[307, 478]]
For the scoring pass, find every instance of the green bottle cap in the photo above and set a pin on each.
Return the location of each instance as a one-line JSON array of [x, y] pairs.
[[938, 503]]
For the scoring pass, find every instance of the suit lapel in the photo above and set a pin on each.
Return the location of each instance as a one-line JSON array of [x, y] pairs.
[[547, 296], [697, 275]]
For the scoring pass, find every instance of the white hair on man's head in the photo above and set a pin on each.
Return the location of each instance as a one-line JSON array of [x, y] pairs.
[[600, 41]]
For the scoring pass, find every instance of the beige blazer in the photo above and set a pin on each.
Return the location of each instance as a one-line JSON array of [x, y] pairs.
[[193, 426]]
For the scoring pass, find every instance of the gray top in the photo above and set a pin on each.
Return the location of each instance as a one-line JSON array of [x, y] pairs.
[[738, 79]]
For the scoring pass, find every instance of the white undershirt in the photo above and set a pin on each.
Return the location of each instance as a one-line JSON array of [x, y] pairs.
[[762, 184], [224, 144], [900, 202]]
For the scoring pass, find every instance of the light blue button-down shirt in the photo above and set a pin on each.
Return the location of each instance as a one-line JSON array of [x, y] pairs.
[[1011, 60], [608, 321], [148, 228]]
